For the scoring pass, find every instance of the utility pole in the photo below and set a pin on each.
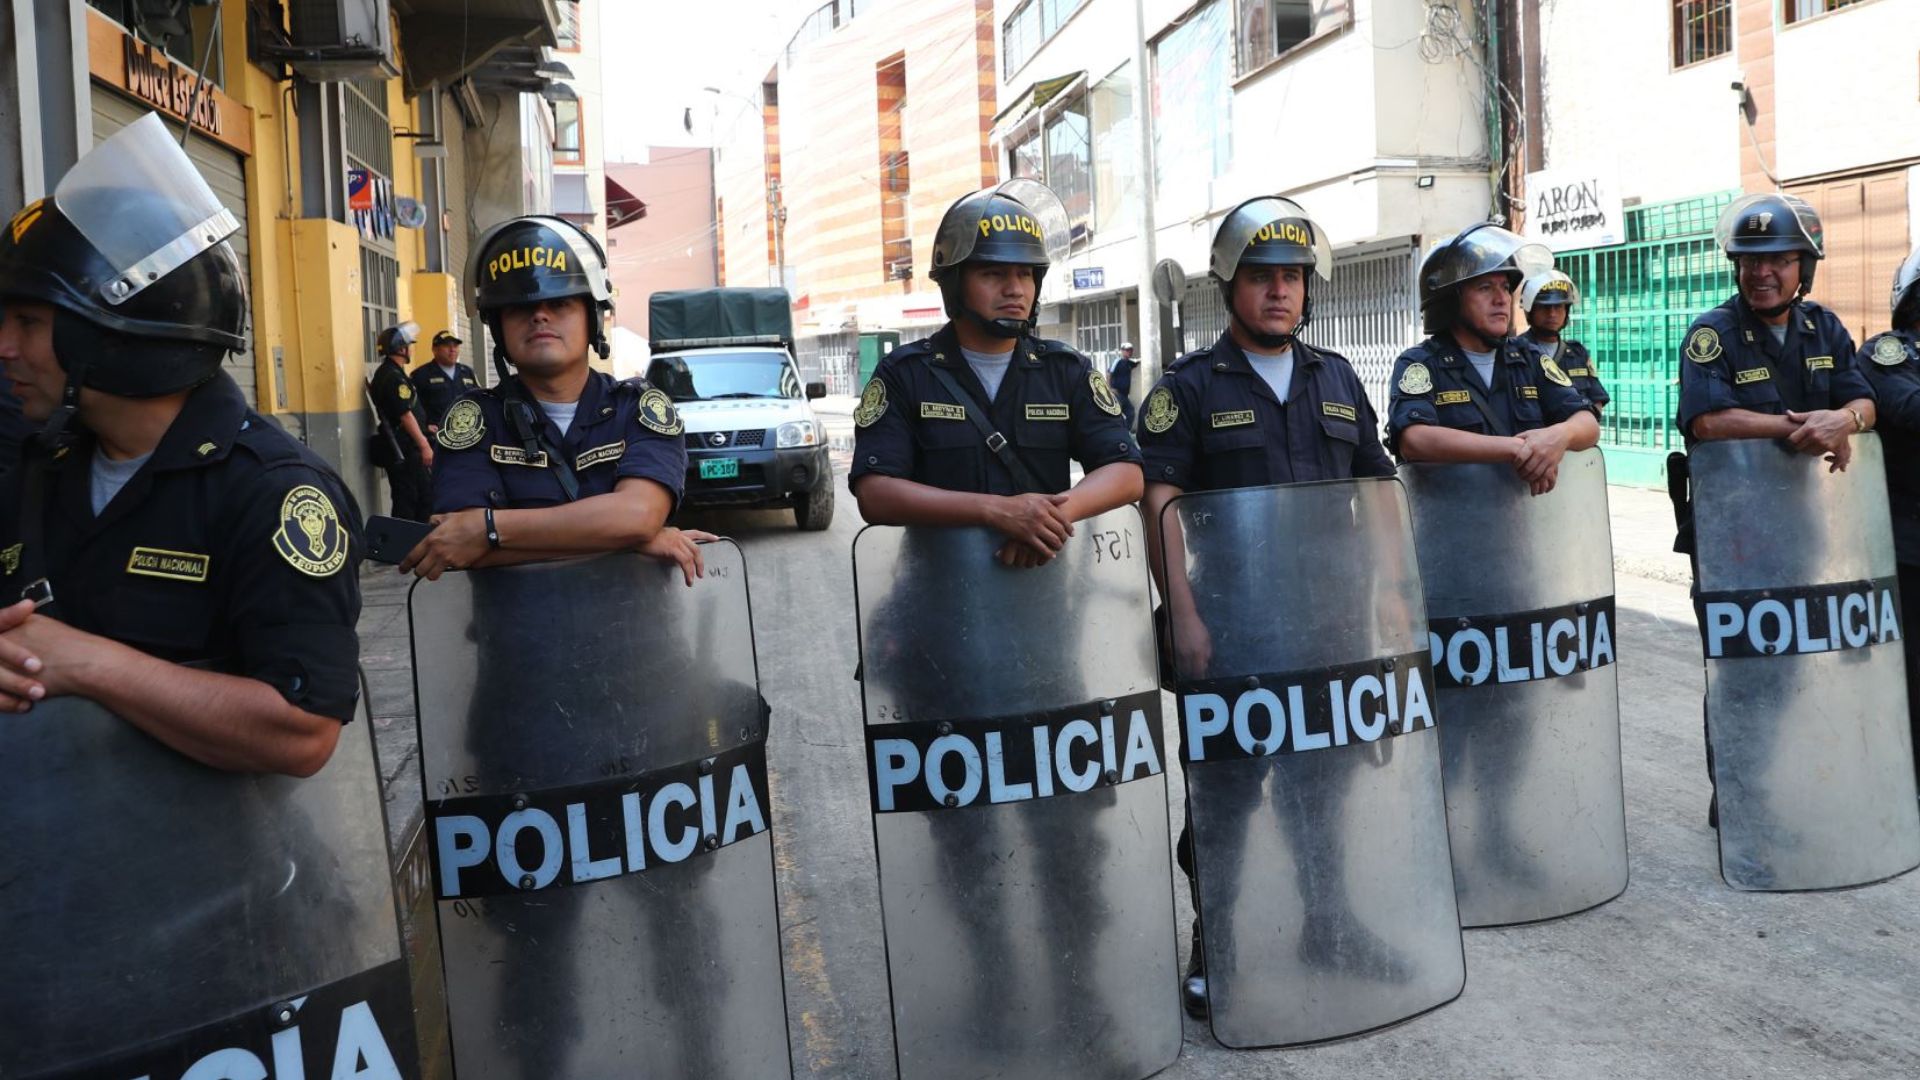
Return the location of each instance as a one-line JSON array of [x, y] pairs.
[[1151, 335]]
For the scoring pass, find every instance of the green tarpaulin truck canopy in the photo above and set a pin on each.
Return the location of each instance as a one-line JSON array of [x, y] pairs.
[[698, 318]]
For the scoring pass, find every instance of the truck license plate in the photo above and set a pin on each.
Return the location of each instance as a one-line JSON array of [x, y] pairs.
[[725, 468]]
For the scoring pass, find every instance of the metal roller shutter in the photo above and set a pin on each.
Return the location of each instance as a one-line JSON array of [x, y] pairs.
[[225, 172]]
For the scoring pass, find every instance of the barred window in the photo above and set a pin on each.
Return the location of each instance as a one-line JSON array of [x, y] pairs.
[[1702, 30], [1807, 9]]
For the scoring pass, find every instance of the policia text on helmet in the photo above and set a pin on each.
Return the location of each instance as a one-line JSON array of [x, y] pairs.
[[990, 258], [1264, 255]]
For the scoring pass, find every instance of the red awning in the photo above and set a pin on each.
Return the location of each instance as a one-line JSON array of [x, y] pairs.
[[622, 205]]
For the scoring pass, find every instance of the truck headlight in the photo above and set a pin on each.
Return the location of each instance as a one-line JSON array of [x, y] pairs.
[[797, 433]]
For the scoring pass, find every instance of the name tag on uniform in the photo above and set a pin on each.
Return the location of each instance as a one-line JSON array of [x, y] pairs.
[[1819, 363], [1339, 411], [1452, 397], [513, 455], [1046, 412], [609, 452], [1240, 418], [1754, 375], [172, 565], [1530, 392], [1580, 372], [940, 410]]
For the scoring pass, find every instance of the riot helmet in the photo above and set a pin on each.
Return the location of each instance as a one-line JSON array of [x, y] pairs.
[[1478, 250], [1769, 223], [1551, 288], [525, 260], [131, 251], [1906, 292], [395, 340], [1269, 231], [1021, 223]]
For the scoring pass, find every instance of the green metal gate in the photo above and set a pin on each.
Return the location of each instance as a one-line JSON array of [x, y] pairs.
[[1636, 300]]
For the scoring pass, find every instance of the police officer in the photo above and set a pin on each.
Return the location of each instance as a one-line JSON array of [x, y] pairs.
[[1548, 299], [194, 567], [409, 478], [1257, 407], [440, 381], [977, 424], [1891, 362], [1121, 379], [1472, 393], [558, 459], [1769, 363]]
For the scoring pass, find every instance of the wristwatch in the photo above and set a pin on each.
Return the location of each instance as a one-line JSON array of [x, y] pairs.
[[493, 531]]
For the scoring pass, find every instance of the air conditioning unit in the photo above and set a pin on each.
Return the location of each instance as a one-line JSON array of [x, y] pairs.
[[342, 39], [899, 269]]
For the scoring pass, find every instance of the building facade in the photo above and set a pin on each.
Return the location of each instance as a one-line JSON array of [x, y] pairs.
[[670, 243]]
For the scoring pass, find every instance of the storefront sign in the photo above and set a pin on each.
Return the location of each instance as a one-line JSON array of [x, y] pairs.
[[137, 69], [1568, 209], [1092, 277]]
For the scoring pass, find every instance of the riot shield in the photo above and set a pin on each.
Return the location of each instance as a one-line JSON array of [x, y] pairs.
[[1806, 686], [1019, 804], [1521, 636], [1313, 768], [162, 919], [593, 752]]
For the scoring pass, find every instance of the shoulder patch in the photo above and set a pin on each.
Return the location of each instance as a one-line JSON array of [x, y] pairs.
[[1161, 412], [657, 413], [1889, 351], [1103, 394], [1416, 379], [1553, 373], [311, 538], [463, 425], [405, 390], [1703, 345], [873, 403]]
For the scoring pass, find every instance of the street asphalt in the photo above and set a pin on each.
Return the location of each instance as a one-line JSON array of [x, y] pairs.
[[1680, 977]]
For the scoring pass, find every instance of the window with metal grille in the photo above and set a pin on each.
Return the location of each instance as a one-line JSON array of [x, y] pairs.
[[379, 297], [1203, 317], [1099, 326], [1807, 9], [831, 359], [1702, 30], [1370, 312], [568, 36]]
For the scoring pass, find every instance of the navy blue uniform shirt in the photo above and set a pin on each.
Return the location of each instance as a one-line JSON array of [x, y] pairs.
[[438, 390], [233, 547], [1572, 358], [394, 396], [1212, 422], [619, 429], [1729, 360], [1053, 408], [1435, 383], [1891, 363]]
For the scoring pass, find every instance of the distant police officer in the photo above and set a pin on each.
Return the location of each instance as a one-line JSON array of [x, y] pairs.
[[1548, 299], [1472, 393], [1769, 363], [1121, 379], [196, 567], [1257, 407], [1891, 362], [558, 459], [441, 380], [977, 424], [409, 478]]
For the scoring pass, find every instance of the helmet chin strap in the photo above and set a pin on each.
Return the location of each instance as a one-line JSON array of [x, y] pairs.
[[1000, 329]]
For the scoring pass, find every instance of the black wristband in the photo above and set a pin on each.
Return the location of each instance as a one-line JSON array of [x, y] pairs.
[[493, 531]]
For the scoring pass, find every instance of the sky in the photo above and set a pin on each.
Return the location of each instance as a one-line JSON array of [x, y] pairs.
[[656, 57]]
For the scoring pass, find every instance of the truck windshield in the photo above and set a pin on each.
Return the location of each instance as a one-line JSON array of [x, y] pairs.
[[724, 375]]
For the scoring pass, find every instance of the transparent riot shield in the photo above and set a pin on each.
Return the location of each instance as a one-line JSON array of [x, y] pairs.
[[1313, 767], [1806, 685], [1019, 803], [1521, 636], [160, 918], [593, 752]]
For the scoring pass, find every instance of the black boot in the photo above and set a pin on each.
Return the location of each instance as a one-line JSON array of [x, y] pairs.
[[1193, 988]]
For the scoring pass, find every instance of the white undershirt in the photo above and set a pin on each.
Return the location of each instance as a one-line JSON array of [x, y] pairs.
[[561, 413], [991, 368], [109, 476], [1276, 369], [1779, 333], [450, 369], [1483, 363]]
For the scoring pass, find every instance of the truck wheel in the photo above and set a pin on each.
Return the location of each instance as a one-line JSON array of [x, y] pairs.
[[813, 512]]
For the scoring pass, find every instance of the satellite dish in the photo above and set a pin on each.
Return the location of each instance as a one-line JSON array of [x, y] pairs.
[[1169, 282]]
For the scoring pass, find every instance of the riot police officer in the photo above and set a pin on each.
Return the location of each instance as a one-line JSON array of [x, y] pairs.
[[409, 479], [1770, 363], [1259, 406], [1548, 299], [977, 424], [1121, 379], [1470, 392], [441, 380], [1891, 362], [194, 568], [557, 459]]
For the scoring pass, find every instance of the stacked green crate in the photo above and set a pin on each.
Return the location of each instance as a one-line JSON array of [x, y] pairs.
[[1636, 300]]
